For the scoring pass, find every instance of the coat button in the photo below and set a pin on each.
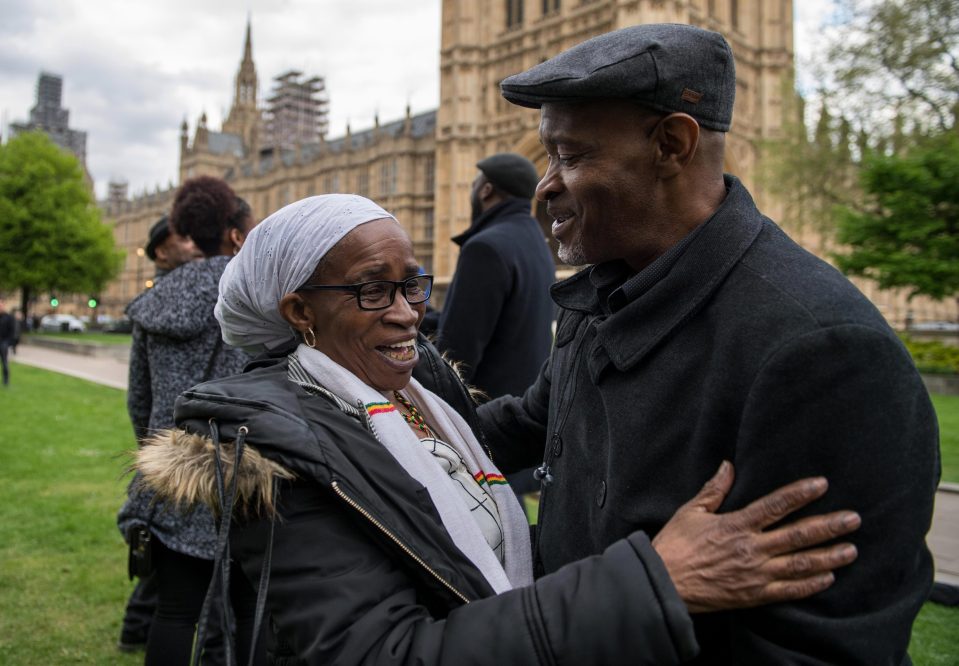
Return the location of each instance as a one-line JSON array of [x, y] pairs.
[[557, 445], [601, 494]]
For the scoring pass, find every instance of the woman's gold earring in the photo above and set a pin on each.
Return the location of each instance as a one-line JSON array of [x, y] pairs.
[[310, 343]]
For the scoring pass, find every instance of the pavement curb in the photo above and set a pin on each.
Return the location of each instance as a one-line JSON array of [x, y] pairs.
[[120, 352]]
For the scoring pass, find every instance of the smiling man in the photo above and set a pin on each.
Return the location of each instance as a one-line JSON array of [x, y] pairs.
[[700, 332]]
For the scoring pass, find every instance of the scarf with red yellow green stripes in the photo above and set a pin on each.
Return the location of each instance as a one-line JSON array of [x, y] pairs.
[[391, 430]]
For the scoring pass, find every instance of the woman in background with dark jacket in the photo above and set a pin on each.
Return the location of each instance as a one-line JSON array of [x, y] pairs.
[[177, 344]]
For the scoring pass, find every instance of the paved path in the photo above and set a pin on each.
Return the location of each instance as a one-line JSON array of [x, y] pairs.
[[943, 538], [102, 370]]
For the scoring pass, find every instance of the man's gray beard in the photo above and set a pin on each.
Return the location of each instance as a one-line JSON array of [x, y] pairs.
[[572, 255]]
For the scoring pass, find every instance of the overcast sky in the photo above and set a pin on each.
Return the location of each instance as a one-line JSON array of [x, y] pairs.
[[134, 70]]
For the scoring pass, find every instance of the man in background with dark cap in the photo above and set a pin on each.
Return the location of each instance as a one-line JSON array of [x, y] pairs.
[[700, 332], [497, 317], [167, 250]]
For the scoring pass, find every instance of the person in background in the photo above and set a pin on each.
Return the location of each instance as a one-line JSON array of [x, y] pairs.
[[8, 339], [497, 317], [167, 250], [177, 343], [698, 332]]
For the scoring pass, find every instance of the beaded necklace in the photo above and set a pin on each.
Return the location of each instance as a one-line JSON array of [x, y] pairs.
[[412, 415]]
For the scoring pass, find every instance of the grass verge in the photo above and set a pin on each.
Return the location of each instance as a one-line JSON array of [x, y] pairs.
[[947, 409], [63, 581], [935, 639], [87, 336]]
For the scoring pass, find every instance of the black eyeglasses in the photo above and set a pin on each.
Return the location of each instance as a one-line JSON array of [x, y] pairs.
[[379, 294]]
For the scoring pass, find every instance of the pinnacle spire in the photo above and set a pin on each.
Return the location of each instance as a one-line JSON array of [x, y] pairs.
[[248, 45]]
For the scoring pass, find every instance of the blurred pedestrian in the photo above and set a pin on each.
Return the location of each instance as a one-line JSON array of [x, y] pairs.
[[167, 249], [497, 317], [8, 339], [182, 346]]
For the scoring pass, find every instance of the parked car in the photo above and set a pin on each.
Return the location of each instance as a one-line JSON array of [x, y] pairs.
[[116, 325], [66, 323]]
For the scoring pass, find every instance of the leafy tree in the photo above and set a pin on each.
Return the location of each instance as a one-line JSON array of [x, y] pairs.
[[907, 233], [900, 56], [873, 171], [51, 236], [888, 75]]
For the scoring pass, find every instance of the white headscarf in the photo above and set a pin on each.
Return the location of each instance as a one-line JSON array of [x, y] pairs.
[[278, 256]]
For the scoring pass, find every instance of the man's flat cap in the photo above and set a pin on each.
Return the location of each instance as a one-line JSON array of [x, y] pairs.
[[159, 232], [665, 66], [511, 173]]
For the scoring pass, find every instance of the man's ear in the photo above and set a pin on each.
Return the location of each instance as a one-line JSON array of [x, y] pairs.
[[486, 191], [677, 139], [297, 312]]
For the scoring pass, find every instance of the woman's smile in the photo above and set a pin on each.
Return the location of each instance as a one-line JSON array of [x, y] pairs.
[[403, 352]]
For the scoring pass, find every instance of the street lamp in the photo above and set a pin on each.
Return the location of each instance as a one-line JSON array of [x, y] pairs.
[[140, 254]]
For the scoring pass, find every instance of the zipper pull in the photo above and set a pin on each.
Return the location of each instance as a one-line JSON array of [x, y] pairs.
[[542, 474]]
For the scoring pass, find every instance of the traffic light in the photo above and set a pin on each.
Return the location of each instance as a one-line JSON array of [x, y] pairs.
[[92, 302], [54, 301]]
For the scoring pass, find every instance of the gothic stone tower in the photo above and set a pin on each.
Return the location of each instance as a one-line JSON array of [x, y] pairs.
[[215, 153], [244, 116], [487, 40]]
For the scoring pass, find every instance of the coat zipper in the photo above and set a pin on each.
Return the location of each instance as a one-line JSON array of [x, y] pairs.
[[416, 558], [543, 472]]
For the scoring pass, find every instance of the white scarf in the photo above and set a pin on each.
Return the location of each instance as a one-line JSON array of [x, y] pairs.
[[393, 432]]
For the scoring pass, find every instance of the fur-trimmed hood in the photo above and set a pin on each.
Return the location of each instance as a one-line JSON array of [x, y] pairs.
[[180, 467]]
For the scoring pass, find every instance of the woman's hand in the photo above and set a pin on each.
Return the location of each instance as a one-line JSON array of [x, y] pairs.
[[722, 561]]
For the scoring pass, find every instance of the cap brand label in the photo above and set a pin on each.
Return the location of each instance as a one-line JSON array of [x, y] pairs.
[[691, 96]]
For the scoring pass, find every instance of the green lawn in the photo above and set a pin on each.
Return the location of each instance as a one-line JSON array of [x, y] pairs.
[[63, 577], [935, 636], [87, 336], [947, 408], [63, 564]]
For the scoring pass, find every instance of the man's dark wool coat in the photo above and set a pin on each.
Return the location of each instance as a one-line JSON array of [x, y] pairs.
[[498, 316], [753, 350]]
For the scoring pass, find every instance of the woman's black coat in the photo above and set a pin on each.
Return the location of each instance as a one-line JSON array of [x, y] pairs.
[[363, 571]]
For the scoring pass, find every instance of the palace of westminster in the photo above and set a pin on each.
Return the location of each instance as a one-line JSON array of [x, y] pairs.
[[420, 167]]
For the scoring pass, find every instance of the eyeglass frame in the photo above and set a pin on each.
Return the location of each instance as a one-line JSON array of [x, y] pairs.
[[355, 289]]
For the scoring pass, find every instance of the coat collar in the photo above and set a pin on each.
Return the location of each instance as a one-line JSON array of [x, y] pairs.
[[499, 212], [625, 337]]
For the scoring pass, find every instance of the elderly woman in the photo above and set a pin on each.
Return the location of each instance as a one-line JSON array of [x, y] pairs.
[[368, 515]]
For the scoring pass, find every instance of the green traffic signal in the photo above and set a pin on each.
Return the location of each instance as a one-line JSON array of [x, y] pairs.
[[54, 301], [92, 302]]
